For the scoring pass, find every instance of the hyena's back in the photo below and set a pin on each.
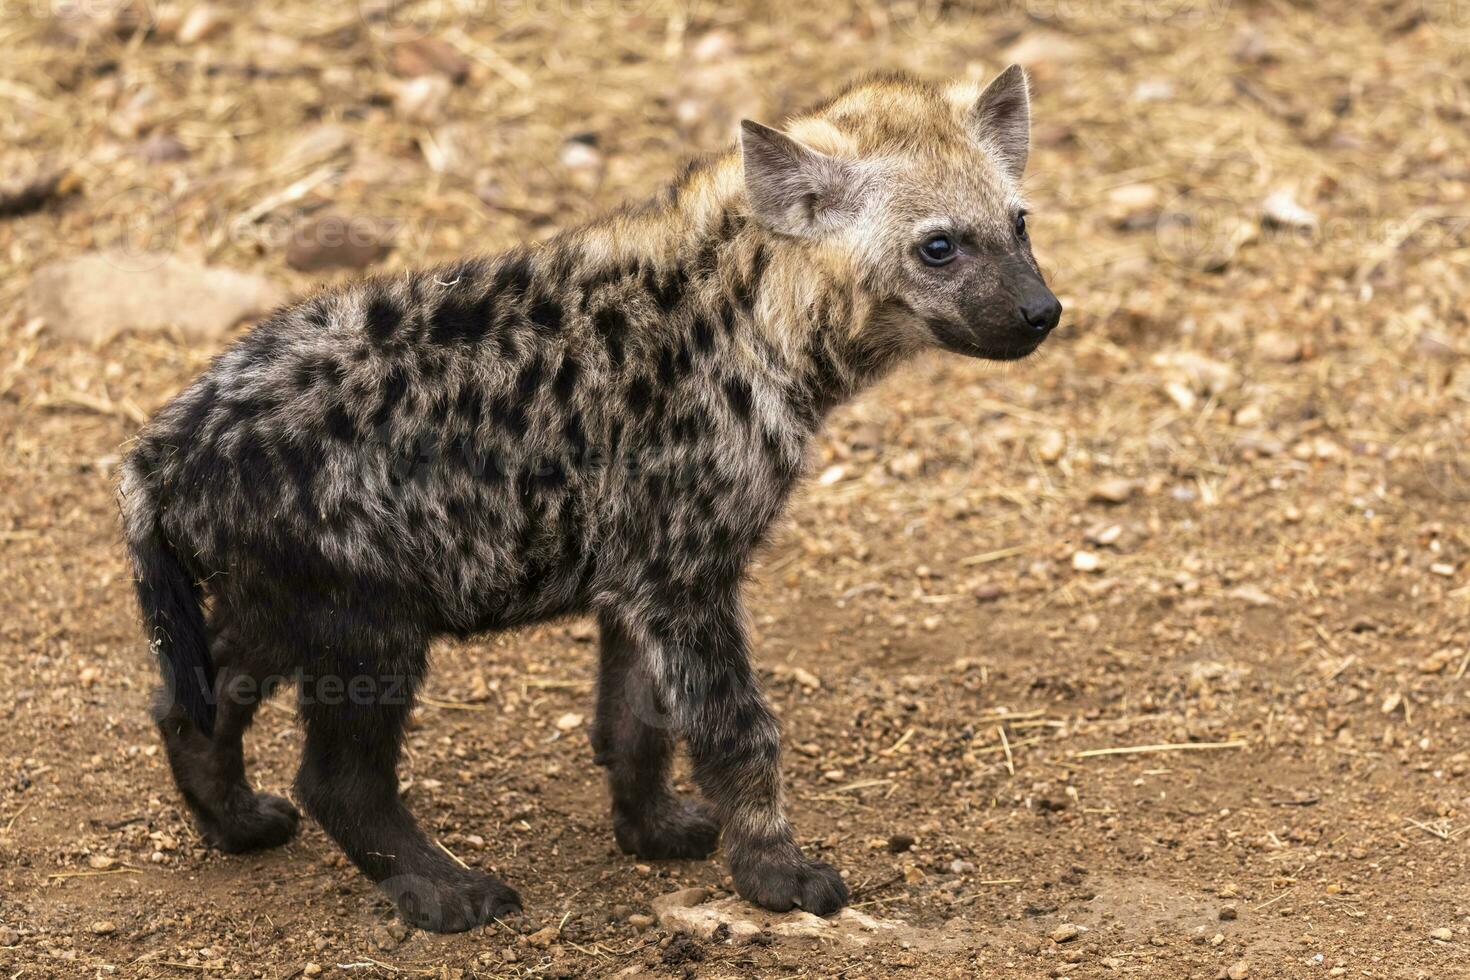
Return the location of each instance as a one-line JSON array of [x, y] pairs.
[[418, 440]]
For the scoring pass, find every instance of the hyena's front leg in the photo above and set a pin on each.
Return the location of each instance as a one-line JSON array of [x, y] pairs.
[[633, 737], [702, 660]]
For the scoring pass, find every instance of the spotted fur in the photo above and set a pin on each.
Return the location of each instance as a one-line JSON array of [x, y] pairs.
[[607, 424]]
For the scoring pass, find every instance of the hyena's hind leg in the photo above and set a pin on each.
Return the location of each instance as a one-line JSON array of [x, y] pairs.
[[357, 693], [210, 770], [634, 738]]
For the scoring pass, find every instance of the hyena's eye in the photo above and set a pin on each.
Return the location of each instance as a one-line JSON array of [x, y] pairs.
[[1020, 224], [937, 250]]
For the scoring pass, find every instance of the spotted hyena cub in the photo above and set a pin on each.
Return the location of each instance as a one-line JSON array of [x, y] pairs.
[[606, 424]]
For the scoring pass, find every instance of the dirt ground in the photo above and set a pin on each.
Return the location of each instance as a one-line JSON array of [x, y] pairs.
[[1222, 510]]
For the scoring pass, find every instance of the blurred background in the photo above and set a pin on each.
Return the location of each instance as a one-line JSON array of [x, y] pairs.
[[1222, 511]]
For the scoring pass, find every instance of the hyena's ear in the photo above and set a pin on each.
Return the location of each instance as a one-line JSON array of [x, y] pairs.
[[794, 189], [1000, 119]]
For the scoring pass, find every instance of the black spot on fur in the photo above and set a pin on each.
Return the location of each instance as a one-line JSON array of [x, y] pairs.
[[395, 386], [339, 424], [513, 274], [611, 325], [738, 394], [461, 319], [529, 380], [703, 335], [566, 379], [640, 393], [381, 319], [667, 291], [546, 315], [667, 373]]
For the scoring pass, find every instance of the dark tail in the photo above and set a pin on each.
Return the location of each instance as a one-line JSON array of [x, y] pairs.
[[170, 600]]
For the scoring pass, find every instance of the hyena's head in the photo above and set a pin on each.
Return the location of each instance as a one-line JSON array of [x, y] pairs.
[[916, 191]]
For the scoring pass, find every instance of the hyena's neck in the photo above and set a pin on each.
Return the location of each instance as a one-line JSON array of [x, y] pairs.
[[786, 307]]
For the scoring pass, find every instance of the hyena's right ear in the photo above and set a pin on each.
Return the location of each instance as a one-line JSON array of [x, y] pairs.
[[1000, 120], [794, 189]]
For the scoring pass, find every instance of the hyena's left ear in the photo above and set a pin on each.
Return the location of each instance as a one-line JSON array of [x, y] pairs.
[[794, 189], [1000, 119]]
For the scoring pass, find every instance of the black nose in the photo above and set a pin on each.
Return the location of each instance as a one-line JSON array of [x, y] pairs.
[[1042, 311]]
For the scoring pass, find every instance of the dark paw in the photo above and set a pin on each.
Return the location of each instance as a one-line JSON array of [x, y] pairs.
[[781, 882], [251, 822], [675, 829], [455, 904]]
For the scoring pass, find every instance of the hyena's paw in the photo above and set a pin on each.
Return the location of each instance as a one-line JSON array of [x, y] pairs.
[[452, 904], [672, 829], [785, 880], [250, 822]]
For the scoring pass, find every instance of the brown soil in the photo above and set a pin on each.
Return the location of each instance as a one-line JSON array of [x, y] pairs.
[[1281, 589]]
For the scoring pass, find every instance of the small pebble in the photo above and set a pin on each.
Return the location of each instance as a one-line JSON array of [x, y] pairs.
[[1238, 970], [543, 938], [104, 927], [1065, 933], [1228, 913], [1443, 935]]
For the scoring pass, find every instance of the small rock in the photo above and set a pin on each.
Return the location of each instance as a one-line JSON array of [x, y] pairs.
[[1153, 90], [1278, 347], [542, 938], [569, 722], [1115, 491], [1064, 933], [1228, 913], [1438, 661], [806, 678], [421, 99], [1051, 446], [1442, 934], [430, 56], [89, 676], [1251, 596], [1281, 210], [640, 921], [989, 592], [104, 927], [9, 937], [1238, 970], [900, 843], [1086, 561], [100, 862], [682, 899], [583, 160], [335, 241], [95, 296], [162, 148], [1249, 415], [834, 775], [311, 970]]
